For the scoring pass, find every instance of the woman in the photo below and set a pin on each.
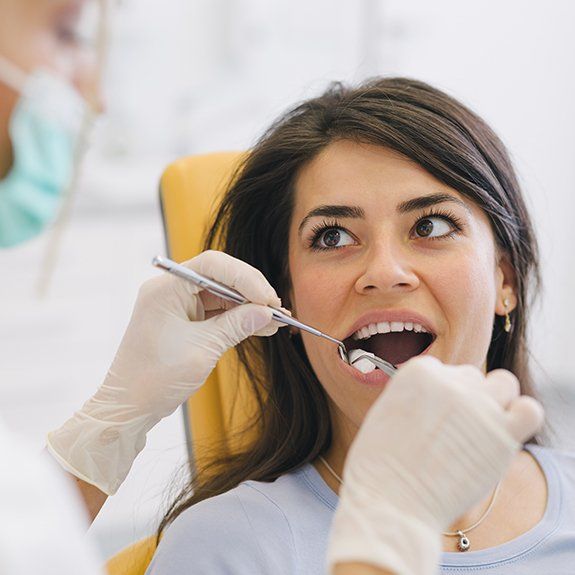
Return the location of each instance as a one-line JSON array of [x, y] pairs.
[[389, 216]]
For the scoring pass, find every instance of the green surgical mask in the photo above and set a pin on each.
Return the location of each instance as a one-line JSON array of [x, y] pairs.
[[44, 130]]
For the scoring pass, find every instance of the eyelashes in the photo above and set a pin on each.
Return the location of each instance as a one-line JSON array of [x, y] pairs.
[[319, 229], [456, 224], [447, 216]]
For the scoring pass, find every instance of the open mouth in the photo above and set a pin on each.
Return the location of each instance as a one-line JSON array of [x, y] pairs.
[[395, 346]]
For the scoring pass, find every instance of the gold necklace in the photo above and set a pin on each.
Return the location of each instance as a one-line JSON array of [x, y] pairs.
[[463, 544]]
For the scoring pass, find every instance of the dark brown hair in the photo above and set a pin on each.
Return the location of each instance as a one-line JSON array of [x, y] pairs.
[[449, 141]]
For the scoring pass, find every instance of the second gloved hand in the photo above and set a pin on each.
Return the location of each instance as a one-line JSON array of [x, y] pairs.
[[436, 440], [175, 337]]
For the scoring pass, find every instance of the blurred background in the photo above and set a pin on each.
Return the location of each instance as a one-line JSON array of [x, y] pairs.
[[192, 76]]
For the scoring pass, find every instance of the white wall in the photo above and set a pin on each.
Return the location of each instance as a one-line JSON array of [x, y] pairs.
[[189, 76]]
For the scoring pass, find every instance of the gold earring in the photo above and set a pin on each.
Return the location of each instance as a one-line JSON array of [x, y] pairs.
[[507, 326]]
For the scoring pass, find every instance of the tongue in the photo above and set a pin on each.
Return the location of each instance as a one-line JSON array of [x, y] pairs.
[[397, 347]]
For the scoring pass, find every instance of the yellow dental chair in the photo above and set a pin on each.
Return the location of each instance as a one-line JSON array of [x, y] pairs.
[[190, 190]]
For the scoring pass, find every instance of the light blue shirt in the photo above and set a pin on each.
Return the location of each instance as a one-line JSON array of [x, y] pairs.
[[283, 527]]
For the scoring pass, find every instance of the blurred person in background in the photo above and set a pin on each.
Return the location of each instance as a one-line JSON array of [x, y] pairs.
[[50, 67], [51, 58], [50, 73]]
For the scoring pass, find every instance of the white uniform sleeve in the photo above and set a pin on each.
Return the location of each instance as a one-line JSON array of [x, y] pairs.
[[44, 522]]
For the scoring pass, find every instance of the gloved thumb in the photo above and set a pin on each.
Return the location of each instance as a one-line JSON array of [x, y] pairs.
[[233, 326]]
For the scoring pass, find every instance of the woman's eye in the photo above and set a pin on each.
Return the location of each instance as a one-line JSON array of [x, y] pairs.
[[333, 238], [433, 227]]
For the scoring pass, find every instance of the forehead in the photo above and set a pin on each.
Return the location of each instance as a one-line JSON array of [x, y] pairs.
[[350, 171]]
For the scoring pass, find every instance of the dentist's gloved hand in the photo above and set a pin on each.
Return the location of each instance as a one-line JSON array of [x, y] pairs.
[[175, 337], [435, 442]]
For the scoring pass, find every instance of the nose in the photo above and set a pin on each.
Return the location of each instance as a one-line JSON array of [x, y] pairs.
[[387, 267]]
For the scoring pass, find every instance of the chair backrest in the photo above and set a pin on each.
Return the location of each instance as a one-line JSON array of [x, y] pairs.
[[133, 560], [190, 191]]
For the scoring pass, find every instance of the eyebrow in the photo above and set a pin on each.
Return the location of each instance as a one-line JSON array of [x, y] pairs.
[[327, 211], [428, 201], [355, 212]]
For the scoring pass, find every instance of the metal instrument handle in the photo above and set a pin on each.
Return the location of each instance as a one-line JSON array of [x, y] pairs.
[[228, 293]]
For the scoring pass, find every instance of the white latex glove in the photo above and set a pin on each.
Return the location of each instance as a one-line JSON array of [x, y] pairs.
[[167, 352], [435, 442]]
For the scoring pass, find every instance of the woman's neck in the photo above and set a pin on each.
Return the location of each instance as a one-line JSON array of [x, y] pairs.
[[344, 432], [519, 505]]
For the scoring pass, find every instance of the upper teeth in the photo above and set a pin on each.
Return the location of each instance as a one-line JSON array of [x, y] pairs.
[[386, 327]]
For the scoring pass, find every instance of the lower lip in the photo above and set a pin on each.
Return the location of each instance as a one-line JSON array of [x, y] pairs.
[[377, 377]]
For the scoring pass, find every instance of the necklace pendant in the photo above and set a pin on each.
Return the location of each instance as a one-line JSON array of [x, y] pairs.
[[463, 544]]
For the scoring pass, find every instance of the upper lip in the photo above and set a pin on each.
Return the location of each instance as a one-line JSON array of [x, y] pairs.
[[380, 315]]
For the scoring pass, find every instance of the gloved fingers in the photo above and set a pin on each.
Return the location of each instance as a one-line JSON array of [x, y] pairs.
[[220, 306], [268, 330], [244, 278], [466, 377], [427, 366], [503, 386], [214, 304], [168, 295], [273, 326], [271, 329], [228, 329], [525, 417], [158, 293], [456, 379]]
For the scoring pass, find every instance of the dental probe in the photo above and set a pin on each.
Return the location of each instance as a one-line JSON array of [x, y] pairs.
[[230, 294]]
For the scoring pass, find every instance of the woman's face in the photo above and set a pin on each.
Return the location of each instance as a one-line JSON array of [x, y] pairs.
[[363, 250]]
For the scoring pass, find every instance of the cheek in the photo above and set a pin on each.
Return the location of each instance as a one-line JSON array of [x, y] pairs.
[[470, 275], [316, 292], [320, 295], [466, 295], [317, 299]]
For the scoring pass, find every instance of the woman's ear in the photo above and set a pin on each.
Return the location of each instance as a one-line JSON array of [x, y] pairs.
[[506, 285]]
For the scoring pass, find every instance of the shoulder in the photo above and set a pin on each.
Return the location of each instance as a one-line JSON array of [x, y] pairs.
[[558, 465], [561, 457], [244, 529]]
